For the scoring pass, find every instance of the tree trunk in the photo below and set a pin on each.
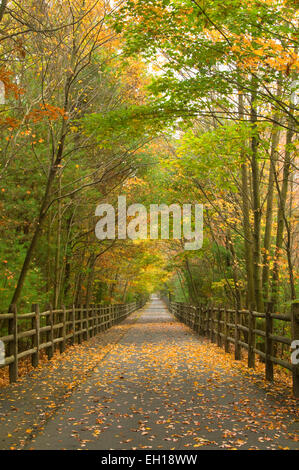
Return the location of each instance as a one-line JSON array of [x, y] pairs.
[[289, 244], [58, 248], [90, 277], [234, 266], [269, 210], [282, 199], [3, 4], [193, 290], [34, 240], [41, 218], [246, 219], [125, 292], [269, 214], [257, 272]]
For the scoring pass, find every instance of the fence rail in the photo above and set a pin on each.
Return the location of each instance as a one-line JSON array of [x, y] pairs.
[[30, 333], [238, 327]]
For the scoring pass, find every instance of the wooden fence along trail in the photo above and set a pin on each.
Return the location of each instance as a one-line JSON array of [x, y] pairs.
[[30, 333], [150, 384], [225, 327]]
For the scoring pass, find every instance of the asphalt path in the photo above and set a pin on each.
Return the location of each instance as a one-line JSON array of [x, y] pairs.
[[163, 387]]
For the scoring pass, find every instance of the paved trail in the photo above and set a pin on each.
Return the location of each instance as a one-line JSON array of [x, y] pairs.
[[161, 389]]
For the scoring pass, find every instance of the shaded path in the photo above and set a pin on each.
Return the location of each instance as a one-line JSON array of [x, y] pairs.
[[162, 387]]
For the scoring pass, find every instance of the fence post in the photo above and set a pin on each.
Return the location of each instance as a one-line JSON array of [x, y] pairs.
[[92, 331], [13, 344], [86, 316], [50, 333], [63, 331], [83, 322], [96, 319], [295, 337], [205, 320], [237, 335], [99, 327], [197, 319], [100, 320], [251, 340], [103, 318], [92, 312], [212, 324], [97, 307], [36, 336], [109, 316], [198, 316], [86, 321], [219, 327], [208, 321], [74, 323], [113, 316], [269, 342], [80, 318], [226, 329]]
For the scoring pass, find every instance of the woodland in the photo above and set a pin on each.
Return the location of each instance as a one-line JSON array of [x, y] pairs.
[[162, 101]]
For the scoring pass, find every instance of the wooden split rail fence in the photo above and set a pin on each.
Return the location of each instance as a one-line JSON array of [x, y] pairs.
[[239, 327], [28, 334]]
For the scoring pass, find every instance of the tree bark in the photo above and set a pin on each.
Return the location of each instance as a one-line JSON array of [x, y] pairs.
[[270, 198], [281, 216], [40, 221], [90, 277], [3, 4], [193, 291], [58, 248], [248, 244], [34, 240], [255, 173]]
